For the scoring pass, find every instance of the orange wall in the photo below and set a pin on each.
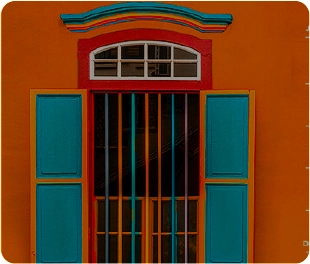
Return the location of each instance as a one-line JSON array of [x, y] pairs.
[[264, 49]]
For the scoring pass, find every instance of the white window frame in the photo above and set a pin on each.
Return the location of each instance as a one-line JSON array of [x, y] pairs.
[[145, 60]]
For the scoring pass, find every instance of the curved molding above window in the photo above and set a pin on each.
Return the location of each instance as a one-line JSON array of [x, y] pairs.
[[150, 60], [146, 11]]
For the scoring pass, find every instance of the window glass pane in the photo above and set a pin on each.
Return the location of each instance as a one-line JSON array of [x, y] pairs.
[[126, 254], [155, 214], [140, 145], [101, 248], [192, 247], [180, 54], [126, 221], [100, 144], [105, 69], [155, 249], [133, 52], [192, 216], [153, 145], [185, 69], [159, 52], [159, 69], [99, 162], [113, 216], [132, 69], [180, 208], [193, 144], [180, 248], [179, 151], [138, 249], [112, 249], [127, 212], [166, 216], [113, 144], [166, 249], [166, 161], [126, 137], [107, 54], [101, 216]]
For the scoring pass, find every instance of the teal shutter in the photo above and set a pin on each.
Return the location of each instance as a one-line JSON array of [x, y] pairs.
[[58, 162], [227, 136], [226, 161], [226, 239]]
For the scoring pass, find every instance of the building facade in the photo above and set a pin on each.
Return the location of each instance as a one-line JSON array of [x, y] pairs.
[[155, 132]]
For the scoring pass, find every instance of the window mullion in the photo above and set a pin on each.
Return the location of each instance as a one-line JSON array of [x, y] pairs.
[[119, 64], [172, 61], [145, 60]]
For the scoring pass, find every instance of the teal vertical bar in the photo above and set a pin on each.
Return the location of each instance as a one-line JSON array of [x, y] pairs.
[[133, 178], [106, 143], [173, 178]]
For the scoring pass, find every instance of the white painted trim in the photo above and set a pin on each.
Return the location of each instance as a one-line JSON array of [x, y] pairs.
[[145, 60]]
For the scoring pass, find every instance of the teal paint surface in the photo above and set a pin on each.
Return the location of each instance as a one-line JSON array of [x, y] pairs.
[[226, 223], [59, 223], [59, 136], [146, 7], [133, 178], [227, 136]]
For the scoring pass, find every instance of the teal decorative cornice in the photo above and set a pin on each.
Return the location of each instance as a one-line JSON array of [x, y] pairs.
[[146, 11]]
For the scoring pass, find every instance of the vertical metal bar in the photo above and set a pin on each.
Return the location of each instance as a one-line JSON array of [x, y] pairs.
[[106, 143], [133, 178], [186, 177], [120, 178], [173, 178], [147, 161], [159, 179]]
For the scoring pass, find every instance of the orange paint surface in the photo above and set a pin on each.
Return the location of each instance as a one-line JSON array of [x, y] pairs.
[[264, 49]]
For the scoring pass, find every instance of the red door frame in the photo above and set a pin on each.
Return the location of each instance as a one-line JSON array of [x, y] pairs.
[[86, 46]]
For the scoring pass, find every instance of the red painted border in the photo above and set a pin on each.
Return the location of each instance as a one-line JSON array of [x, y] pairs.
[[85, 46]]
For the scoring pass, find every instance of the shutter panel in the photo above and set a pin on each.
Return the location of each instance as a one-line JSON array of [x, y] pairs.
[[227, 186], [226, 223], [227, 136], [59, 213]]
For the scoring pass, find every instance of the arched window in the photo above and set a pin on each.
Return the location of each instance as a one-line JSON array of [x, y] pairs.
[[145, 60]]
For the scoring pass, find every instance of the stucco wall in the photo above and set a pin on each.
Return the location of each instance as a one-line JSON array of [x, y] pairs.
[[264, 49]]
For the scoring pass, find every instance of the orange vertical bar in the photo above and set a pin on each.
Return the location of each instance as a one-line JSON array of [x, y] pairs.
[[147, 161], [120, 178], [202, 192], [159, 180]]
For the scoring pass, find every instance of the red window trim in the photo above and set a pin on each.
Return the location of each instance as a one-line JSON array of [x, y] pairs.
[[85, 46]]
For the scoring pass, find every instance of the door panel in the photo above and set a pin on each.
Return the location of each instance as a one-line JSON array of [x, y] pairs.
[[59, 187]]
